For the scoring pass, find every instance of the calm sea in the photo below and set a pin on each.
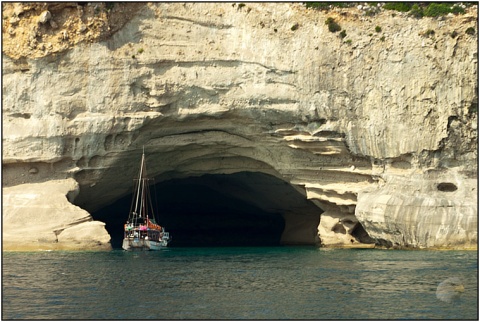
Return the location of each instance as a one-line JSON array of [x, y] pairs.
[[237, 283]]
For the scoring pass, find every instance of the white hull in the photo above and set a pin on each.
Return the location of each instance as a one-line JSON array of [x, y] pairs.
[[142, 244]]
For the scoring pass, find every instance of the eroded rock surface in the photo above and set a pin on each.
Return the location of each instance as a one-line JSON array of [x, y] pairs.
[[40, 216], [366, 126]]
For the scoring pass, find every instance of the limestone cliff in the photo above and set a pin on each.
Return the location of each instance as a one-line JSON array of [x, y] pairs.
[[378, 129]]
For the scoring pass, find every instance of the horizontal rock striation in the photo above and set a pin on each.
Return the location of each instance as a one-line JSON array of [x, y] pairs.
[[366, 129], [433, 214]]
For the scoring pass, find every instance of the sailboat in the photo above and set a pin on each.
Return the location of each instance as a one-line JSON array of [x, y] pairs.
[[141, 231]]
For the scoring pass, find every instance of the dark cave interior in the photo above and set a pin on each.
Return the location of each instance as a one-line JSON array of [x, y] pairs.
[[240, 209]]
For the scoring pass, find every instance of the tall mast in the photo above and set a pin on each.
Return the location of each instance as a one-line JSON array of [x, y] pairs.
[[145, 186], [140, 185]]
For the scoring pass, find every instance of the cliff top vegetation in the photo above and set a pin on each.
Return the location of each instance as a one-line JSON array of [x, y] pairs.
[[415, 9]]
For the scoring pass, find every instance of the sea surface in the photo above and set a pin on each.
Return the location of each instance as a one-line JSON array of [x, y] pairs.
[[251, 283]]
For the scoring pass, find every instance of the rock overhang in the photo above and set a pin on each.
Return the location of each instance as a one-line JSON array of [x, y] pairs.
[[218, 160]]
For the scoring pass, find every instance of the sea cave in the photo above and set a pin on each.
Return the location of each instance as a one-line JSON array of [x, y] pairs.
[[239, 209]]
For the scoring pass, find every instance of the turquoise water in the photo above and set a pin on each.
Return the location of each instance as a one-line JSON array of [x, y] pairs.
[[237, 283]]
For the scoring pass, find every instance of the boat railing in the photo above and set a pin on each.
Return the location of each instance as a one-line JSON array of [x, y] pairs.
[[132, 226], [131, 229]]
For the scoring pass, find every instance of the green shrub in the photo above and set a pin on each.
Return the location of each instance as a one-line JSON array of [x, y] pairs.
[[140, 50], [294, 27], [370, 12], [343, 34], [343, 4], [109, 5], [398, 6], [329, 20], [473, 108], [429, 33], [378, 29], [416, 11], [457, 10], [437, 9], [241, 5], [470, 31], [382, 38], [348, 41], [318, 5], [332, 25]]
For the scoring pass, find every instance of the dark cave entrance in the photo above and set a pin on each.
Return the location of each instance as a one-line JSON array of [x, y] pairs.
[[240, 209]]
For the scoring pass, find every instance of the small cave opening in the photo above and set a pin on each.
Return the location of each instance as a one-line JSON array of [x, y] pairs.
[[240, 209], [446, 187]]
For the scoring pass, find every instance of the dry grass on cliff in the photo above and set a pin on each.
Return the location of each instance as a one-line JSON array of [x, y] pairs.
[[28, 31]]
